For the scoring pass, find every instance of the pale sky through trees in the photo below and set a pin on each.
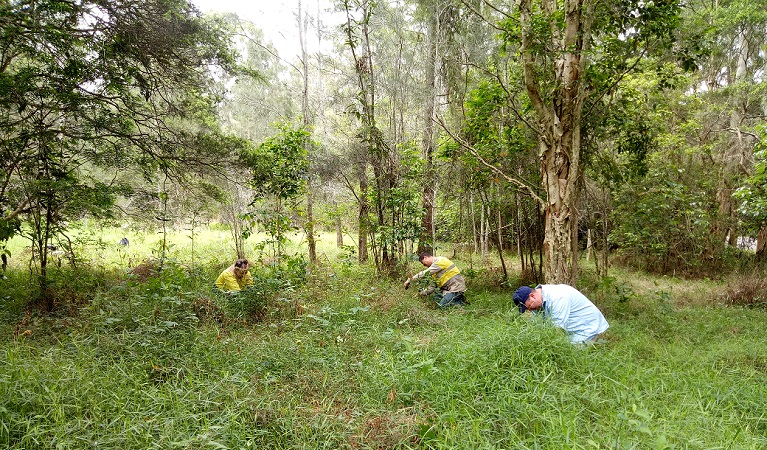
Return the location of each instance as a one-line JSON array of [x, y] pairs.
[[277, 19]]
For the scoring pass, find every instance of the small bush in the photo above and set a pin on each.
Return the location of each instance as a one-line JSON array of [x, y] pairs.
[[251, 302], [749, 290]]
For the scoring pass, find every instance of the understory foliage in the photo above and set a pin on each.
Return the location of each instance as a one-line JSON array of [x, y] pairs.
[[664, 222], [753, 194], [279, 169]]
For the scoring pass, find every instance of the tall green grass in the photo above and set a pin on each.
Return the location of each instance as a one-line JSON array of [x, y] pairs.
[[351, 360]]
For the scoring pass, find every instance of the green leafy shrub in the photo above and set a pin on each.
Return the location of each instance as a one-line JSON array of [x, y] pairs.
[[666, 223], [155, 300], [253, 301]]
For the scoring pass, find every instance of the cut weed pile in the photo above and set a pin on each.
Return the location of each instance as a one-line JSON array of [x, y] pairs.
[[350, 360]]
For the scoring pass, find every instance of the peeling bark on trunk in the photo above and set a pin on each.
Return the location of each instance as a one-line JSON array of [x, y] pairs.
[[559, 122], [761, 243]]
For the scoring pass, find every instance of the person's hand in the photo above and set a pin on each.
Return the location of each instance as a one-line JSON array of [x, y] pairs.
[[407, 283], [426, 291]]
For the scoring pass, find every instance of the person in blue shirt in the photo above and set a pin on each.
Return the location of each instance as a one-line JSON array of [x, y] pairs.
[[566, 307]]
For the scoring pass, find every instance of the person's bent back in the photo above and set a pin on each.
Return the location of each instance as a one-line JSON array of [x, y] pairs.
[[566, 307]]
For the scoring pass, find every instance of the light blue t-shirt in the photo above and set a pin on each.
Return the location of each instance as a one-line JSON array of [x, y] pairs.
[[573, 312]]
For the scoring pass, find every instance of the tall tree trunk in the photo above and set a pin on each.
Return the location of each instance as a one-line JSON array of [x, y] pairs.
[[559, 124], [560, 214], [474, 232], [312, 241], [426, 240], [45, 242], [736, 154], [484, 227], [164, 217], [500, 234], [43, 220], [364, 210], [303, 25], [372, 141], [518, 228]]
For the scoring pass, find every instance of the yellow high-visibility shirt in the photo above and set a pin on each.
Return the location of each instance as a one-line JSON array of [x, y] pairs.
[[447, 270], [442, 270], [228, 282]]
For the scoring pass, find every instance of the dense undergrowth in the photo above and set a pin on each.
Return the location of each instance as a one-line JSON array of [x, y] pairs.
[[346, 359]]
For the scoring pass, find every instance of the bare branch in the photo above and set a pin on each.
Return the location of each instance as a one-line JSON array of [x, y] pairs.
[[245, 35], [18, 209], [478, 14], [520, 184]]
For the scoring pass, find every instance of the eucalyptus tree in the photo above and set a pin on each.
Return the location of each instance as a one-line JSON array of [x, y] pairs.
[[253, 104], [458, 57], [572, 55], [407, 119], [432, 15], [406, 124], [730, 85], [93, 88], [441, 63], [379, 145], [303, 27], [249, 111]]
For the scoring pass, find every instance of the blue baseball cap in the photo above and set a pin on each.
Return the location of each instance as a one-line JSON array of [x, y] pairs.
[[520, 295]]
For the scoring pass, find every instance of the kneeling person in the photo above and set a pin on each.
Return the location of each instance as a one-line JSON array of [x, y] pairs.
[[566, 307], [450, 282], [235, 278]]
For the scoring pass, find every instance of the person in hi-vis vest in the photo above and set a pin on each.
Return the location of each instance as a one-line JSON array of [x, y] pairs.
[[235, 278], [450, 283]]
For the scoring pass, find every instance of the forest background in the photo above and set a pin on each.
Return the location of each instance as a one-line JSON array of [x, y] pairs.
[[589, 143]]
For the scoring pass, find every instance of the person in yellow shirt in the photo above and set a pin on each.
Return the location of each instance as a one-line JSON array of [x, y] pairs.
[[450, 283], [236, 277]]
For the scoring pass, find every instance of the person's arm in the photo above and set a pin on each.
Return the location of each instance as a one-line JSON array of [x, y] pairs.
[[558, 305], [247, 280], [415, 277]]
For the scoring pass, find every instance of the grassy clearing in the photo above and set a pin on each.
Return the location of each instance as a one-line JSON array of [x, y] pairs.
[[349, 360]]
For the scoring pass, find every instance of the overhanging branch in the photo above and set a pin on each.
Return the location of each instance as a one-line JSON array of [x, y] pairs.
[[520, 184]]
